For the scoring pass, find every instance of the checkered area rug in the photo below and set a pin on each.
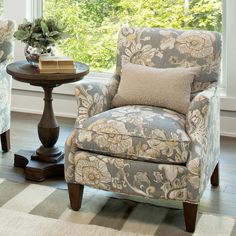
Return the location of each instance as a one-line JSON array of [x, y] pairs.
[[108, 210]]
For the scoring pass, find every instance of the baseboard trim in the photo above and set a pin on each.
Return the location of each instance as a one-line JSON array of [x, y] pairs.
[[37, 112], [228, 134], [228, 124]]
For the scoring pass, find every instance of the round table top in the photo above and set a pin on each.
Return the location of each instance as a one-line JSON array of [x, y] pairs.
[[24, 72]]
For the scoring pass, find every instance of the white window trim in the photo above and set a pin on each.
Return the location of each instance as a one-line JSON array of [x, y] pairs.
[[228, 101], [33, 8], [36, 8], [224, 82]]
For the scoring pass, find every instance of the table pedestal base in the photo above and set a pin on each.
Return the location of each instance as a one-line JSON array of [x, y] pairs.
[[35, 170]]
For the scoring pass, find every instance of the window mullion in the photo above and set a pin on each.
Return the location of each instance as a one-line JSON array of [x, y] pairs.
[[36, 8]]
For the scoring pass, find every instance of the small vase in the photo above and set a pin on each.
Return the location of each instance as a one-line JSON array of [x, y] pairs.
[[32, 54]]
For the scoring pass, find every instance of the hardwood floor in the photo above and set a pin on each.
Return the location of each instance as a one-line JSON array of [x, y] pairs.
[[221, 200]]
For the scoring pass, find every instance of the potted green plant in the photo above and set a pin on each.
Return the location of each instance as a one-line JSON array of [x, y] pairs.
[[40, 37]]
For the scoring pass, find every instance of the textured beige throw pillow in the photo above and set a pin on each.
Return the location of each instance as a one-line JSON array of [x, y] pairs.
[[143, 85]]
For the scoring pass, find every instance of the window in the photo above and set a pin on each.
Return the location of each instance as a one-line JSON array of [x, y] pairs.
[[93, 25], [1, 7]]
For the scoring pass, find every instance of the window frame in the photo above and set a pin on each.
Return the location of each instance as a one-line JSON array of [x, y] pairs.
[[228, 98], [36, 8]]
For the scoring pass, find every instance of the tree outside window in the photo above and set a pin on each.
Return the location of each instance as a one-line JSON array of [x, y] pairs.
[[93, 24], [1, 7]]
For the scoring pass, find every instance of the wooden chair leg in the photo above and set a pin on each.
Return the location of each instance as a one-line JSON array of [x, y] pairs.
[[5, 140], [190, 216], [215, 176], [76, 194]]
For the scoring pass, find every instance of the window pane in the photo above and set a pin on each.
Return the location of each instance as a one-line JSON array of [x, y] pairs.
[[93, 24], [1, 7]]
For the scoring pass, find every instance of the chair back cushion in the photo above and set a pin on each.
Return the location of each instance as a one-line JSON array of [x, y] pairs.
[[170, 48]]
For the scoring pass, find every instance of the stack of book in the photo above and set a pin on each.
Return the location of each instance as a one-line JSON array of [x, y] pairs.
[[55, 64]]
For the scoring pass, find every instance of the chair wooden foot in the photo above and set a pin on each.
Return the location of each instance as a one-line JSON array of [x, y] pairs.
[[190, 216], [215, 176], [76, 194], [5, 141]]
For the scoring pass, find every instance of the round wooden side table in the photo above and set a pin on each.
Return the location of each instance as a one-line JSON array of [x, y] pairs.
[[47, 160]]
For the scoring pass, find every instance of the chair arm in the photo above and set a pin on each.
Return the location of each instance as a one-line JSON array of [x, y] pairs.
[[5, 97], [203, 128], [199, 112], [7, 29], [94, 97]]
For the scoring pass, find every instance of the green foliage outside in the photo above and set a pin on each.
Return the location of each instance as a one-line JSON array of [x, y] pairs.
[[93, 24], [1, 7]]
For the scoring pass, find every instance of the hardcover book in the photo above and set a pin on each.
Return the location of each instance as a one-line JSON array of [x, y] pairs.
[[56, 64]]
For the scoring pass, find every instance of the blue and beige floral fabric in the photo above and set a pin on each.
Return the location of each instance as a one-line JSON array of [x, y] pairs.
[[203, 128], [94, 98], [168, 48], [6, 47], [149, 173], [137, 132], [155, 180], [127, 176]]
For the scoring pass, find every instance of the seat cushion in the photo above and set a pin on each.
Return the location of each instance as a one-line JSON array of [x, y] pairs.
[[136, 132]]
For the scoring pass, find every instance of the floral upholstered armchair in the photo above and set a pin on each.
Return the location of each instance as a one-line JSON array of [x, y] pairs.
[[150, 151], [6, 49]]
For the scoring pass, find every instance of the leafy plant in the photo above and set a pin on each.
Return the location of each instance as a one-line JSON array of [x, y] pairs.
[[41, 33]]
